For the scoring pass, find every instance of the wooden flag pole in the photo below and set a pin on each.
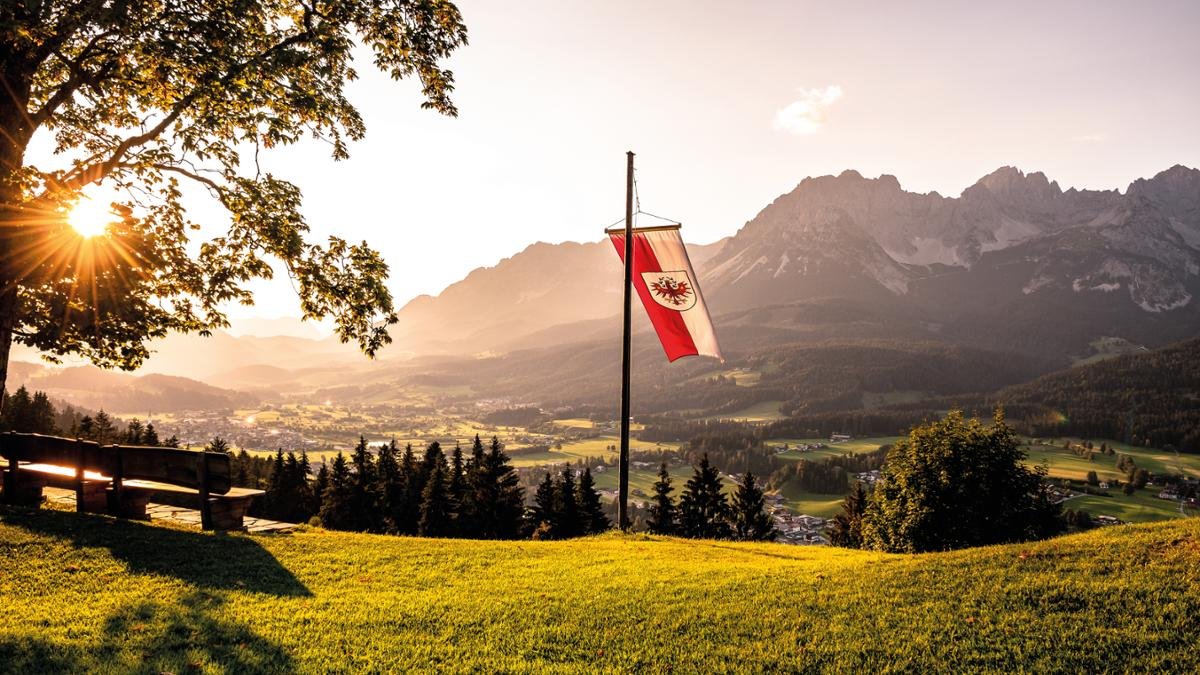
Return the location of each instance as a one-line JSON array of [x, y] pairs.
[[623, 485]]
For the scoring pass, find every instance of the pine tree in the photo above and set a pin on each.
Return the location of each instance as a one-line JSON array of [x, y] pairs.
[[172, 442], [319, 487], [42, 415], [591, 511], [86, 427], [133, 432], [436, 517], [364, 499], [569, 522], [456, 491], [391, 486], [218, 444], [310, 502], [16, 411], [407, 512], [150, 436], [241, 470], [103, 431], [543, 515], [662, 509], [274, 499], [336, 500], [845, 529], [505, 499], [703, 510], [750, 520]]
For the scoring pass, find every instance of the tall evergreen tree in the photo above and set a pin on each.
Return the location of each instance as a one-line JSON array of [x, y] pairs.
[[703, 510], [133, 432], [150, 436], [391, 486], [319, 486], [408, 512], [42, 415], [591, 511], [504, 501], [456, 490], [336, 500], [845, 529], [662, 514], [218, 444], [750, 520], [364, 499], [436, 516], [543, 515], [103, 430], [569, 522]]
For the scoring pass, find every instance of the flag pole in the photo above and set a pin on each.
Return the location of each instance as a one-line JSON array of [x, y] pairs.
[[623, 485]]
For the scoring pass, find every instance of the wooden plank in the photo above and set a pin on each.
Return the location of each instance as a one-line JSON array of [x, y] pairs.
[[174, 466], [41, 449]]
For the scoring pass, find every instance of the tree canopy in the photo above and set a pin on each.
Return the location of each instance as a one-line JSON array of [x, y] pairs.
[[163, 99]]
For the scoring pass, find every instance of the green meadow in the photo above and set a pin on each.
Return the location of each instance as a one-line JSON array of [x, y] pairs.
[[90, 593]]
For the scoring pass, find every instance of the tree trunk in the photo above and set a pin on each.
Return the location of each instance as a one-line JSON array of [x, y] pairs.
[[15, 81]]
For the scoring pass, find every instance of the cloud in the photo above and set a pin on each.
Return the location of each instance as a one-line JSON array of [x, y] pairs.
[[807, 114], [1091, 138]]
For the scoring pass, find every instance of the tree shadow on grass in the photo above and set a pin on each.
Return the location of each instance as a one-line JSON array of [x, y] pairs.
[[210, 561], [154, 637]]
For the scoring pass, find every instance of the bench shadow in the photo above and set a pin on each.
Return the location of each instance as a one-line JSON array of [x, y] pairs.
[[210, 561], [186, 635]]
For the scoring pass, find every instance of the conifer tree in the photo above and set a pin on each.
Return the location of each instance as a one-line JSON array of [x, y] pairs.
[[86, 427], [241, 470], [103, 431], [505, 499], [218, 444], [364, 499], [408, 511], [456, 491], [703, 510], [845, 529], [391, 486], [42, 415], [310, 500], [172, 442], [133, 432], [150, 436], [750, 521], [436, 517], [336, 500], [569, 522], [319, 486], [662, 509], [543, 515], [591, 511]]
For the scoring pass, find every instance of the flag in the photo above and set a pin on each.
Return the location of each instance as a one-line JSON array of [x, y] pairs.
[[664, 279]]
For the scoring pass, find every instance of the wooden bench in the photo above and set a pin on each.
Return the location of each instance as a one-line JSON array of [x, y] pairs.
[[123, 478]]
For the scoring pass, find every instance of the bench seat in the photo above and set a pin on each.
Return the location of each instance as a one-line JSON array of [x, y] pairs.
[[227, 510]]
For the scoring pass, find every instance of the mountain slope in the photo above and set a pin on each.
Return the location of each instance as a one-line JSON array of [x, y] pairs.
[[118, 392], [174, 600]]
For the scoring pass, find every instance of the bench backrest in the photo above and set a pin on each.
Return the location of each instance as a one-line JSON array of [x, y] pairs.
[[174, 466], [55, 450], [163, 465]]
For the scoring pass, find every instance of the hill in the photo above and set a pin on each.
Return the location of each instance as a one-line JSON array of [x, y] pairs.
[[120, 392], [86, 593]]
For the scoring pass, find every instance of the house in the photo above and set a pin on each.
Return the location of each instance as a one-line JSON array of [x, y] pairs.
[[838, 438]]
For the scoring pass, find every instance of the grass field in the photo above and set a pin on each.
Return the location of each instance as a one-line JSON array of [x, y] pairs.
[[855, 446], [765, 411], [88, 593], [1140, 507], [1063, 463]]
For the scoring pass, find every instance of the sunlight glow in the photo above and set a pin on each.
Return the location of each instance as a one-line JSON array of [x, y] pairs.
[[91, 218]]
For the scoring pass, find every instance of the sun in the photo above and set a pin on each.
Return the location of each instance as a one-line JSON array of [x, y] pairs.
[[90, 217]]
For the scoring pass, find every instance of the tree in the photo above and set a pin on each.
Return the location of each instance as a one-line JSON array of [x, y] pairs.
[[591, 511], [103, 430], [436, 516], [150, 436], [335, 500], [1092, 478], [749, 519], [543, 515], [364, 500], [954, 484], [569, 524], [158, 103], [845, 529], [218, 444], [495, 503], [662, 509], [703, 510]]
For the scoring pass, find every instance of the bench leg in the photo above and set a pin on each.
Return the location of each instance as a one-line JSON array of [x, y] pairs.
[[91, 497], [23, 488], [130, 504], [227, 514]]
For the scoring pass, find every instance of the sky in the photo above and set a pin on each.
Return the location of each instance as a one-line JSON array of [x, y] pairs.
[[729, 105]]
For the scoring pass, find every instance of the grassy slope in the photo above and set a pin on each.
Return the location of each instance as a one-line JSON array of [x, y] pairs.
[[90, 593]]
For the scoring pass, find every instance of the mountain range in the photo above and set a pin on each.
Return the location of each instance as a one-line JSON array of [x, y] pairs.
[[1015, 269]]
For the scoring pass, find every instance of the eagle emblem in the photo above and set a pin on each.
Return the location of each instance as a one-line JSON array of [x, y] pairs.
[[671, 289]]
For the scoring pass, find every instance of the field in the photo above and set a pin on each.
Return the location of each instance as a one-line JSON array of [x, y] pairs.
[[856, 446], [1140, 507], [1062, 463], [88, 593], [765, 411]]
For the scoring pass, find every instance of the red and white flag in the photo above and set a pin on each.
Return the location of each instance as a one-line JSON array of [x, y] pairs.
[[663, 277]]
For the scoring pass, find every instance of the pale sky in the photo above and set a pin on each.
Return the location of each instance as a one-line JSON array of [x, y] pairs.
[[729, 105]]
